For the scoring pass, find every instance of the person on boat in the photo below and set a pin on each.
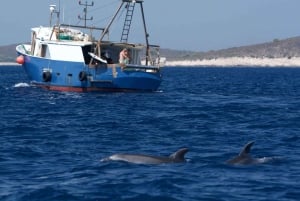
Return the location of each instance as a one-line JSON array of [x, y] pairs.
[[106, 56], [124, 57]]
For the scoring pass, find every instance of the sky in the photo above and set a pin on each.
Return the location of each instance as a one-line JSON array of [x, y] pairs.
[[196, 25]]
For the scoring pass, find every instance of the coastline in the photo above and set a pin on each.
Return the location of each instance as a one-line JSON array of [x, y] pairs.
[[239, 62], [223, 62], [9, 64]]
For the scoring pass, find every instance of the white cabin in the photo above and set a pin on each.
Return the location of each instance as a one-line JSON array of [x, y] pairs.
[[58, 44]]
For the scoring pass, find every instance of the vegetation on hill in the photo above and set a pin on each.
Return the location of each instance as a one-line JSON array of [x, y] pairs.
[[286, 48]]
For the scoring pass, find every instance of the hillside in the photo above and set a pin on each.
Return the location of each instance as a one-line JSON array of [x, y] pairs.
[[286, 48]]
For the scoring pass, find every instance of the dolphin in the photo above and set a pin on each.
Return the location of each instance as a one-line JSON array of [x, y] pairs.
[[176, 157], [244, 157]]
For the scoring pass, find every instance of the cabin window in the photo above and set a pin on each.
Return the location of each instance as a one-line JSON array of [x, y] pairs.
[[64, 52], [85, 51], [44, 50]]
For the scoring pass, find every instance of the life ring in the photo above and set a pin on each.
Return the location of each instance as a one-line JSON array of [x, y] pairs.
[[82, 76], [47, 76]]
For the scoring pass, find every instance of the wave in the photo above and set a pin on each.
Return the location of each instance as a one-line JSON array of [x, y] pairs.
[[21, 84]]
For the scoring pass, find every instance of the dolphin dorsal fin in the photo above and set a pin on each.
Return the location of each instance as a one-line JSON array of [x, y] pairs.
[[246, 149], [179, 154]]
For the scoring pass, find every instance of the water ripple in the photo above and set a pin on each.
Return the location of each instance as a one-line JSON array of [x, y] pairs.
[[52, 143]]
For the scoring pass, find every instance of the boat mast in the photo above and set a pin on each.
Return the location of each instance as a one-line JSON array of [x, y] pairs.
[[146, 35], [112, 20], [85, 12], [54, 11], [57, 12], [108, 26]]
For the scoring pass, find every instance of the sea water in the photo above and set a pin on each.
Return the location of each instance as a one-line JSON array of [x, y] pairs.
[[52, 142]]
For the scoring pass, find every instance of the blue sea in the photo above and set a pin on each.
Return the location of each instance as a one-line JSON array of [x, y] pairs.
[[52, 142]]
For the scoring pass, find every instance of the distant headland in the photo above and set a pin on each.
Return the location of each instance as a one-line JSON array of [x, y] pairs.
[[284, 52]]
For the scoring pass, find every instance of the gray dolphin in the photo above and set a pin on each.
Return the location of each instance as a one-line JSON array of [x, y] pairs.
[[177, 157], [244, 157]]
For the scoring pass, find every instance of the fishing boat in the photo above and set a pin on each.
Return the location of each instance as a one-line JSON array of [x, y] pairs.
[[68, 58]]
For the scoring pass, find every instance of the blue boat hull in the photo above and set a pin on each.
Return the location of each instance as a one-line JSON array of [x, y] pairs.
[[79, 77]]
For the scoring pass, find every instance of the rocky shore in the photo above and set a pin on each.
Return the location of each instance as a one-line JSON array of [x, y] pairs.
[[9, 64], [239, 61]]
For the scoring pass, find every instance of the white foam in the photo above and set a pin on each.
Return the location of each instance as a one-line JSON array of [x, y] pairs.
[[21, 84]]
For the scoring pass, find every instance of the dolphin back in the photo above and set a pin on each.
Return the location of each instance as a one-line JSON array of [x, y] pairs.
[[139, 158], [246, 149], [244, 156], [178, 156]]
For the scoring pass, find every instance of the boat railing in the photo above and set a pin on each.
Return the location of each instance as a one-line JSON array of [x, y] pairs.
[[60, 27], [24, 49], [153, 56], [82, 27]]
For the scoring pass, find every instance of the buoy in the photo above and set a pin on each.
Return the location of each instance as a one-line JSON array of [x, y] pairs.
[[20, 59]]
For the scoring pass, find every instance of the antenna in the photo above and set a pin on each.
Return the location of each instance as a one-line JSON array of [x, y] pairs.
[[53, 10], [85, 12]]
